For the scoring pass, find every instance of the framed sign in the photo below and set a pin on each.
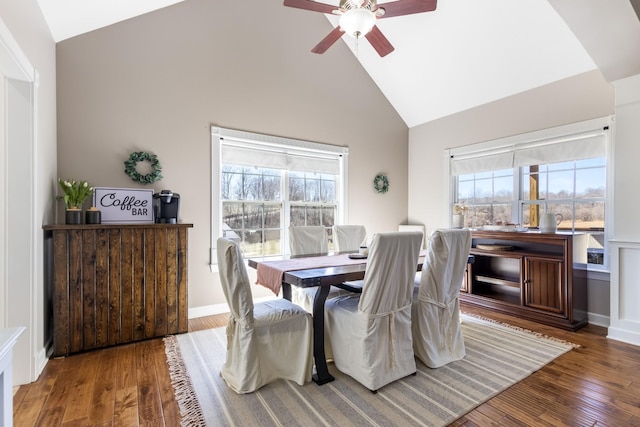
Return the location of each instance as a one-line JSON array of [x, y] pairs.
[[124, 205]]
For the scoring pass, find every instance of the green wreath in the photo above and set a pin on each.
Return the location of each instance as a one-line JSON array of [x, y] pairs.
[[141, 156], [381, 184]]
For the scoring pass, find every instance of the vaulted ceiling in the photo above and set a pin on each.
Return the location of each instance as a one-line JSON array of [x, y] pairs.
[[464, 54]]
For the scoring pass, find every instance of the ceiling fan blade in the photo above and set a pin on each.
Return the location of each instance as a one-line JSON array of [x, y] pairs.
[[310, 5], [328, 41], [379, 42], [407, 7]]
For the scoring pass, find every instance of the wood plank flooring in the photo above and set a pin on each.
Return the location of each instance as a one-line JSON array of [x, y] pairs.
[[597, 384]]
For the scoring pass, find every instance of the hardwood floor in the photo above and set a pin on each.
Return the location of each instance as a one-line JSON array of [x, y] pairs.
[[597, 384]]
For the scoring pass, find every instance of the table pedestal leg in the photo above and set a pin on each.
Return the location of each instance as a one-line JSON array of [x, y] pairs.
[[322, 375], [286, 291]]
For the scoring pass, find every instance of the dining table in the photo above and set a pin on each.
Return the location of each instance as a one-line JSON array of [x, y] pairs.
[[321, 271]]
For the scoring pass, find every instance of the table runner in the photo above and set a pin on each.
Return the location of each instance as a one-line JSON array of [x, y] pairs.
[[270, 273]]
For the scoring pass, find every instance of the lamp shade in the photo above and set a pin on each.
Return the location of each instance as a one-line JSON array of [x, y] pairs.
[[357, 22]]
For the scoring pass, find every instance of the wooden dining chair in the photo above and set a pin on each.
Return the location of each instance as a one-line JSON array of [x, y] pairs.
[[265, 341], [435, 311], [370, 333]]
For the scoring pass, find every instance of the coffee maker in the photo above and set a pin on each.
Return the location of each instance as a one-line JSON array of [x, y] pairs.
[[165, 207]]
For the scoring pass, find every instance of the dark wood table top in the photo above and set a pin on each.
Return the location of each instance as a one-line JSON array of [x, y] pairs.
[[324, 276]]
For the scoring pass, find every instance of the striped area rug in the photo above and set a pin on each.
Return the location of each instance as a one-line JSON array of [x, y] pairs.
[[497, 357]]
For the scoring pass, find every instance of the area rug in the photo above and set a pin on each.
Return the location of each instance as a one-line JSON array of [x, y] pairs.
[[498, 356]]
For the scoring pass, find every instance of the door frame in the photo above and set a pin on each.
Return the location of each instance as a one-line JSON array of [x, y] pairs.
[[18, 239]]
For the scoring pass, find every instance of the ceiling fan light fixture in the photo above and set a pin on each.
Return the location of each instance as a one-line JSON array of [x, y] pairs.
[[357, 22]]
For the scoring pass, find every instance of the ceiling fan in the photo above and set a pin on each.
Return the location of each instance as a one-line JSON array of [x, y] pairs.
[[358, 18]]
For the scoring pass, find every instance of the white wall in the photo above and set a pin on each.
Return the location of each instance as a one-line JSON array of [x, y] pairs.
[[626, 156], [625, 242]]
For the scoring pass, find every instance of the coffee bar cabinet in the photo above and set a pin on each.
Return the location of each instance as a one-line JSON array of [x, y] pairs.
[[538, 276], [114, 284]]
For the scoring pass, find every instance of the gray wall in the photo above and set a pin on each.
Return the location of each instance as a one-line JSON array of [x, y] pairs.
[[159, 81]]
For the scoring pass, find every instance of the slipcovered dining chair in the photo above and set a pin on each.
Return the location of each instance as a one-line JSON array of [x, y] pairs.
[[420, 228], [348, 238], [370, 333], [435, 312], [308, 240], [260, 335]]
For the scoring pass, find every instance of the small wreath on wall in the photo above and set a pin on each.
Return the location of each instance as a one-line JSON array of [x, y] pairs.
[[381, 184], [130, 167]]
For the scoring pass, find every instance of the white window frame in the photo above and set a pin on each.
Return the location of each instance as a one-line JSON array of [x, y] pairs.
[[218, 135], [501, 150]]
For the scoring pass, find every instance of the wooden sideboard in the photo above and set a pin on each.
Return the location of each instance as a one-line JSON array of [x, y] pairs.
[[115, 284], [541, 277]]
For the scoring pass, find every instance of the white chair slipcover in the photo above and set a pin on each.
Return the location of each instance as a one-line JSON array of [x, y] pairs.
[[435, 312], [420, 228], [370, 333], [265, 341], [348, 238], [308, 240]]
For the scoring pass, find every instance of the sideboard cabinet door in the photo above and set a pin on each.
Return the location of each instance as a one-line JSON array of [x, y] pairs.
[[544, 287]]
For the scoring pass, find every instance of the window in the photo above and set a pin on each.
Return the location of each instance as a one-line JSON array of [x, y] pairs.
[[488, 195], [514, 180], [312, 199], [261, 184]]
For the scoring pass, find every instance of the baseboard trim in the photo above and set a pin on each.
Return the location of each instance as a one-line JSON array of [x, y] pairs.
[[624, 335], [41, 362], [598, 319], [207, 310], [210, 310]]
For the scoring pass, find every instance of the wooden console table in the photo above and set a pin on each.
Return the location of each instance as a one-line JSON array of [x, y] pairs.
[[538, 276], [115, 284]]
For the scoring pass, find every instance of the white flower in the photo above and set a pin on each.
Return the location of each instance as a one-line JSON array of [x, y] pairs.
[[75, 192], [459, 209]]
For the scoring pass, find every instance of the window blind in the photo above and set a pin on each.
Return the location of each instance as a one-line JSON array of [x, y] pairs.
[[525, 151], [575, 148], [481, 162], [283, 154]]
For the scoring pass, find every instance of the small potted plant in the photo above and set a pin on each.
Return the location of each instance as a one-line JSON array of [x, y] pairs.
[[74, 195]]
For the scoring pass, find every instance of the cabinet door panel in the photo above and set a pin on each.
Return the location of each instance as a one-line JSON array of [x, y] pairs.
[[75, 291], [116, 286], [102, 288], [126, 285], [543, 285], [89, 307]]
